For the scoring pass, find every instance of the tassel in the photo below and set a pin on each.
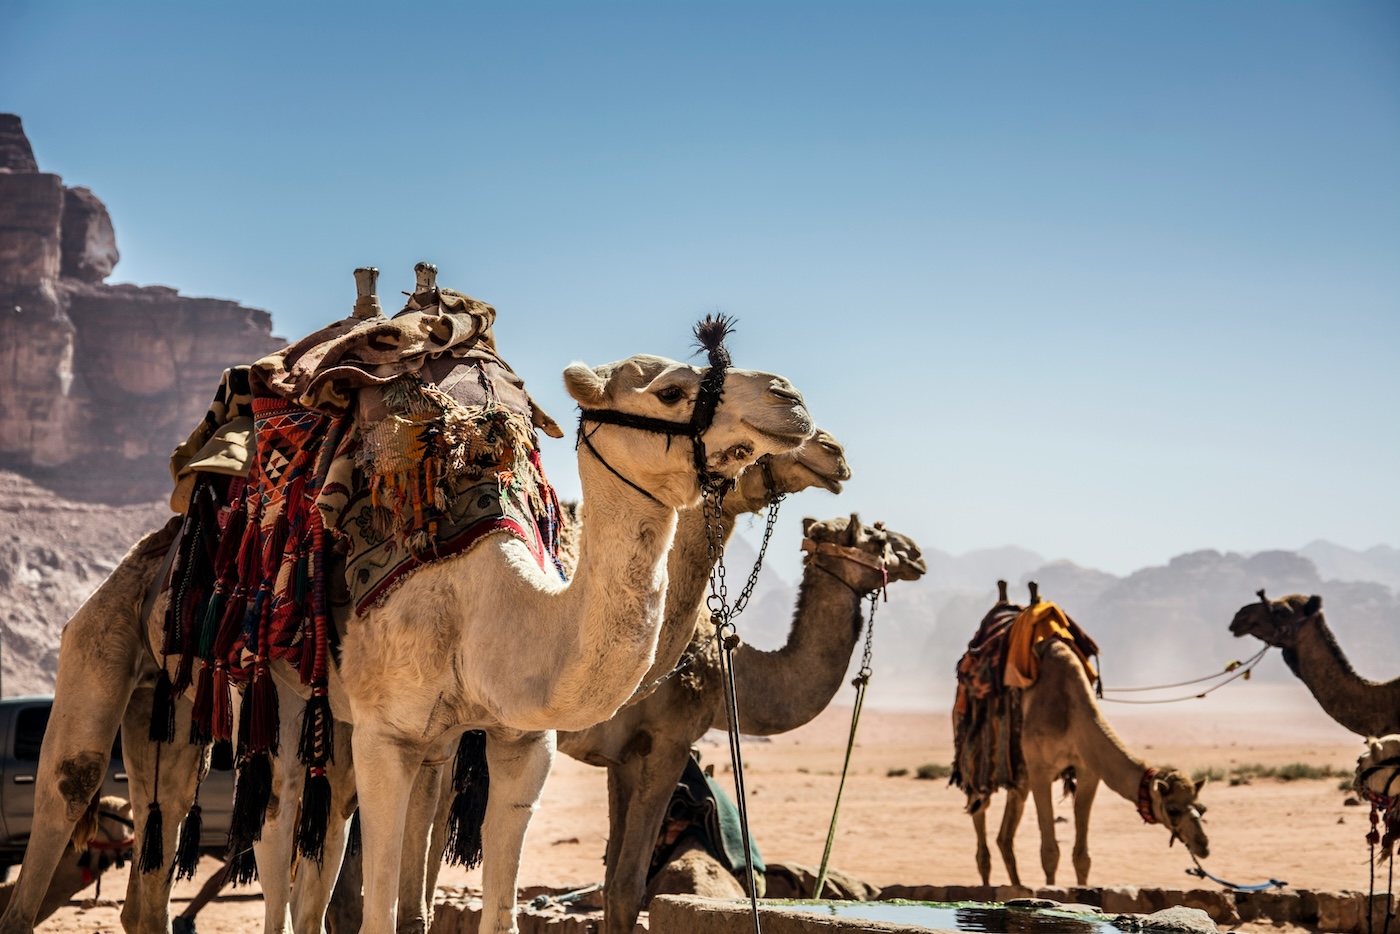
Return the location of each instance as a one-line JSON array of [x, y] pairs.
[[202, 716], [209, 626], [183, 679], [472, 782], [187, 852], [245, 723], [315, 815], [263, 732], [243, 867], [317, 730], [222, 724], [353, 842], [162, 728], [153, 840], [251, 795]]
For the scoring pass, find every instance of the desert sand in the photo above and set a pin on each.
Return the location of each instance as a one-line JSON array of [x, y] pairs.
[[905, 830]]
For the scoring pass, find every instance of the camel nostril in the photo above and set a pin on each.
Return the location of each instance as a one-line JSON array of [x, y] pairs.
[[783, 390]]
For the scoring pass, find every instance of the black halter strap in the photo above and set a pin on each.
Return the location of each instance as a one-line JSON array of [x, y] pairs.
[[710, 333]]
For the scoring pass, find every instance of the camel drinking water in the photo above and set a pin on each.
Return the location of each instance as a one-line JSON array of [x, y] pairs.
[[1061, 728]]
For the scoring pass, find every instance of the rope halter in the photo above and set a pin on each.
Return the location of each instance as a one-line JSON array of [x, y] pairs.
[[854, 555], [710, 334]]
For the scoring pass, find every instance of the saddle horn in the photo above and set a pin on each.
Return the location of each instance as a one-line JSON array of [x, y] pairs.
[[366, 295], [425, 276], [1001, 593], [1035, 592], [1260, 593]]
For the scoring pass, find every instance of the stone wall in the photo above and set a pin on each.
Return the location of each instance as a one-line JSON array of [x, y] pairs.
[[97, 382]]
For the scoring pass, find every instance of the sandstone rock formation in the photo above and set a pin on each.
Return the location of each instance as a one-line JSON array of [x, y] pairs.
[[97, 382]]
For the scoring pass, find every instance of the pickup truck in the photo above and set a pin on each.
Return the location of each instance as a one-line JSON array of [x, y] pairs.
[[23, 721]]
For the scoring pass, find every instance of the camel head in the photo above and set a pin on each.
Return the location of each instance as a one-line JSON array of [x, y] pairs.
[[637, 418], [1174, 803], [1276, 622], [820, 461], [863, 556]]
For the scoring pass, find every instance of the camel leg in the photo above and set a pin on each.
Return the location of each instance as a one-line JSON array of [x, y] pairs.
[[147, 907], [638, 792], [1088, 786], [386, 767], [274, 850], [984, 853], [437, 840], [519, 763], [415, 896], [318, 885], [1045, 815], [1006, 836], [100, 656]]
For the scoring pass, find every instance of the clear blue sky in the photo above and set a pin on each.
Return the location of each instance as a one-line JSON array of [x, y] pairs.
[[1111, 281]]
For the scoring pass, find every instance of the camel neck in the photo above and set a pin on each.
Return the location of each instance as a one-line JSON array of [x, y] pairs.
[[781, 690], [617, 595], [1368, 708]]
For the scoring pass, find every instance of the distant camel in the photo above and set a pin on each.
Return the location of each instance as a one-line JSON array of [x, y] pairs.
[[103, 836], [1296, 625], [1062, 728]]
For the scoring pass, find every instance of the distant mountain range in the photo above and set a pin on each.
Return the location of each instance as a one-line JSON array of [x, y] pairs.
[[1157, 625]]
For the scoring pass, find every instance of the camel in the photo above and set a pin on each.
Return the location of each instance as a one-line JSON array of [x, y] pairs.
[[486, 640], [820, 461], [102, 838], [645, 745], [1062, 728], [1296, 625], [480, 640]]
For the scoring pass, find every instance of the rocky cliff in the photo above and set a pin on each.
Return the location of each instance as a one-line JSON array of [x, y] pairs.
[[97, 382]]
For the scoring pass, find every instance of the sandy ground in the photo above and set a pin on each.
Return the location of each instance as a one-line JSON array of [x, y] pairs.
[[904, 830]]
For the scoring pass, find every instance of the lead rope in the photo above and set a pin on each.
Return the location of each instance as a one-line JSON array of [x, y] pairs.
[[860, 682], [722, 616]]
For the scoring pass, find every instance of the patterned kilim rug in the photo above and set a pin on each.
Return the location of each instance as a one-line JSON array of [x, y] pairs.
[[1000, 661], [371, 449]]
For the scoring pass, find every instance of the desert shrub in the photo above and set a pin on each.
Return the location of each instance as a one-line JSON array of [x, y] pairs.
[[1211, 773], [896, 773], [933, 770]]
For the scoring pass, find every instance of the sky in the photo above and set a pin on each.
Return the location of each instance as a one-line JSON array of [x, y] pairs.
[[1109, 281]]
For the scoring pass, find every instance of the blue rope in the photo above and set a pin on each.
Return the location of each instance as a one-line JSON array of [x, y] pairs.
[[1201, 873]]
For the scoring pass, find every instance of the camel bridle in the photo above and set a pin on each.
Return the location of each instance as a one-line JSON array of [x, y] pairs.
[[711, 333], [815, 549]]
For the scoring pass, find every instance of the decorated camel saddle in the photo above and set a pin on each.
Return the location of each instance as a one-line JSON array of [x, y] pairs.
[[1002, 659], [322, 477]]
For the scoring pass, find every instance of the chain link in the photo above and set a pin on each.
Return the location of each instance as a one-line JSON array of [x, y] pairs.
[[865, 670], [715, 606]]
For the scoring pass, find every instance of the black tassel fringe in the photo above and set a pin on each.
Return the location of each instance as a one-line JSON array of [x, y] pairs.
[[317, 740], [187, 852], [243, 867], [250, 797], [315, 815], [353, 843], [163, 710], [153, 840], [472, 782]]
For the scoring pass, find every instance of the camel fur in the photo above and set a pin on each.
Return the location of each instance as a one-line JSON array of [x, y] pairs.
[[645, 745], [1062, 728], [1295, 624]]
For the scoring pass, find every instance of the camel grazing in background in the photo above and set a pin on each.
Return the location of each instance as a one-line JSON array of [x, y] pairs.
[[646, 744], [1063, 728], [1296, 625]]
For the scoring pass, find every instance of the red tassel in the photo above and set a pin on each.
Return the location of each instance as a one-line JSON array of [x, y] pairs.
[[202, 716], [263, 728], [223, 703]]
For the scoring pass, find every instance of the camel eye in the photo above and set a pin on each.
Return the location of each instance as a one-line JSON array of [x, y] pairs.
[[671, 395]]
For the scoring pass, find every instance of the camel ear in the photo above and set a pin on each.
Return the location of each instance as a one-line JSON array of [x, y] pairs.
[[1199, 785], [807, 524], [585, 385], [853, 527], [1313, 605]]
